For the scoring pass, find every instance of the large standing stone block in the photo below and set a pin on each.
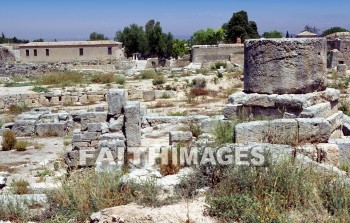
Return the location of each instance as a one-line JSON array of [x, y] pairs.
[[132, 123], [116, 101], [285, 66], [314, 130]]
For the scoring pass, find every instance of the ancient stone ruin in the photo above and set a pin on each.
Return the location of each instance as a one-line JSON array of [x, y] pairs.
[[119, 128], [285, 88]]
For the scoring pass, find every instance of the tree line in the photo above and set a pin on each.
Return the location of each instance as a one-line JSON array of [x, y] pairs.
[[4, 39]]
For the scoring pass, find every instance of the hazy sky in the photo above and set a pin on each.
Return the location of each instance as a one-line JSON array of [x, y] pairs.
[[76, 19]]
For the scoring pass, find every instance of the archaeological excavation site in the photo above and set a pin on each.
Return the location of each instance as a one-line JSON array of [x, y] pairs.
[[227, 126]]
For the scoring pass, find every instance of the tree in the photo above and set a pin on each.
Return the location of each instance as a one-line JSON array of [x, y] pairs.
[[240, 27], [312, 29], [273, 34], [133, 39], [39, 40], [180, 48], [334, 30], [287, 35], [207, 37], [97, 36]]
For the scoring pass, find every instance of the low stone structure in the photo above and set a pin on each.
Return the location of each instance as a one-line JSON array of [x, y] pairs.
[[222, 52], [338, 49], [119, 128], [285, 80], [57, 97]]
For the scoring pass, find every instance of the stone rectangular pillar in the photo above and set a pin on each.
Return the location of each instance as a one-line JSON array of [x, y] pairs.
[[132, 123]]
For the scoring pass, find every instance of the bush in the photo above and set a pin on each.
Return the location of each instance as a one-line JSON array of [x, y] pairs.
[[120, 79], [168, 87], [103, 78], [165, 96], [62, 79], [39, 89], [271, 194], [8, 140], [86, 192], [21, 146], [158, 80], [148, 74], [20, 187], [224, 132], [219, 64]]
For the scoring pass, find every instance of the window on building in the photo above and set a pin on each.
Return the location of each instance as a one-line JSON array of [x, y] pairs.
[[35, 53], [109, 50], [47, 52], [27, 53], [81, 51]]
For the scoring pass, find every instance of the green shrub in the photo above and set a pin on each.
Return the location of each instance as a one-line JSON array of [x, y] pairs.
[[17, 109], [39, 89], [120, 79], [158, 80], [21, 146], [168, 87], [165, 96], [8, 140], [148, 74], [103, 78], [224, 132], [271, 194], [67, 78], [177, 113], [20, 187], [345, 108], [219, 64], [86, 192]]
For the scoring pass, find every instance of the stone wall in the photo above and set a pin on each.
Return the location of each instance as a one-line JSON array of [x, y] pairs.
[[52, 98], [339, 52], [222, 52]]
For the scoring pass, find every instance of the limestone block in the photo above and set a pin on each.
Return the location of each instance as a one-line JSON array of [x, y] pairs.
[[179, 136], [94, 127], [328, 153], [314, 130], [116, 101], [149, 95], [24, 128], [51, 129], [341, 69], [279, 131], [322, 110], [132, 123], [336, 121], [344, 148], [83, 99], [95, 98], [285, 66], [92, 117], [89, 136], [55, 100], [233, 111], [112, 136], [116, 124]]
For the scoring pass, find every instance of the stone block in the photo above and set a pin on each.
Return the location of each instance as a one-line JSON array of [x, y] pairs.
[[314, 130], [89, 136], [112, 136], [116, 125], [94, 127], [328, 153], [91, 117], [148, 95], [179, 136], [116, 101], [322, 110], [285, 66], [51, 129], [279, 131], [342, 69], [132, 123], [24, 128], [233, 111], [336, 121], [344, 148]]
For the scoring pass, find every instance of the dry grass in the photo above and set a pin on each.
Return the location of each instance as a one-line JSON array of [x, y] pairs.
[[61, 79], [162, 104], [20, 187], [103, 78], [8, 140], [21, 146]]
